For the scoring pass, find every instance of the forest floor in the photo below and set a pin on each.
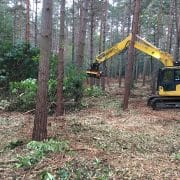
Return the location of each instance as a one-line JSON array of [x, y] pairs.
[[104, 141]]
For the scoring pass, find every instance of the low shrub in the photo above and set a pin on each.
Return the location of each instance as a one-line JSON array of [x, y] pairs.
[[73, 83], [23, 94], [94, 91], [4, 104], [19, 62], [38, 150]]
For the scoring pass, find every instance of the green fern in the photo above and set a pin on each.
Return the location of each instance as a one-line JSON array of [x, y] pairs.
[[48, 146], [45, 175], [39, 150]]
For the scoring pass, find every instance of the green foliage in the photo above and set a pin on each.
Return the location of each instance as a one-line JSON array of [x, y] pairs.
[[53, 66], [4, 104], [15, 144], [23, 161], [63, 173], [29, 160], [94, 91], [77, 169], [45, 175], [23, 94], [48, 146], [6, 26], [39, 150], [19, 62], [176, 156], [73, 83], [52, 89], [3, 79]]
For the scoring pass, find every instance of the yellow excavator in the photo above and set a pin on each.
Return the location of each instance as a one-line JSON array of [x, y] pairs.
[[168, 84]]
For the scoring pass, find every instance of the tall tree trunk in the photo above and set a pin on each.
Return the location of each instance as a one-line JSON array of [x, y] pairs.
[[27, 35], [111, 63], [60, 97], [40, 119], [170, 27], [156, 41], [129, 17], [103, 80], [131, 53], [100, 45], [144, 72], [121, 60], [100, 38], [136, 70], [73, 32], [146, 61], [82, 33], [177, 47], [35, 25], [92, 24], [14, 25]]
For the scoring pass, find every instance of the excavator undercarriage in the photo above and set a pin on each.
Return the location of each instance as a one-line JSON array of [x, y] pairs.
[[161, 102]]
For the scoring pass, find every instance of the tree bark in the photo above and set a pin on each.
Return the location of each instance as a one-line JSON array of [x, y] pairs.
[[103, 80], [131, 52], [40, 119], [60, 97], [170, 27], [177, 47], [156, 41], [121, 60], [73, 33], [35, 25], [100, 45], [92, 24], [144, 72], [82, 33], [129, 17], [27, 36]]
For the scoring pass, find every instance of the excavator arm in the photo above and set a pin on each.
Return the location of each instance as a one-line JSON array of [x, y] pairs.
[[106, 55], [140, 44], [114, 50]]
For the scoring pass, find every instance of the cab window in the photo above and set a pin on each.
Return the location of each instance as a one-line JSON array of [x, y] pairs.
[[177, 75], [168, 76]]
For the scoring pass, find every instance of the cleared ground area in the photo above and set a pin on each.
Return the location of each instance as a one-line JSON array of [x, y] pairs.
[[104, 141]]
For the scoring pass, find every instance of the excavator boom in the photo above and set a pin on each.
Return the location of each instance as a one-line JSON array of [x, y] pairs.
[[150, 49]]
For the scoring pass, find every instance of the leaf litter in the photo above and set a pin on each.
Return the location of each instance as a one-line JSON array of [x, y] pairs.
[[135, 144]]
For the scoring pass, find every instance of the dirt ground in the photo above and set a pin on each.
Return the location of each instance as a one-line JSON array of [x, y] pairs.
[[138, 143]]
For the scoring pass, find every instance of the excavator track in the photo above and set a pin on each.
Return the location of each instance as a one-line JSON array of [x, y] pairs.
[[160, 102]]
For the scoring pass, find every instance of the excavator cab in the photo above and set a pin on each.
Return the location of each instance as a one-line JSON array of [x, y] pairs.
[[169, 81], [168, 89], [94, 71]]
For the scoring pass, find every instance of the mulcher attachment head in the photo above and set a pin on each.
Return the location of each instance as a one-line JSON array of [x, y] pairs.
[[94, 71]]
